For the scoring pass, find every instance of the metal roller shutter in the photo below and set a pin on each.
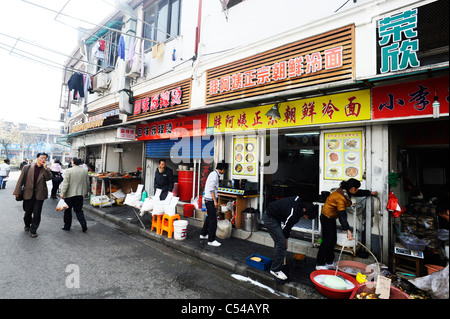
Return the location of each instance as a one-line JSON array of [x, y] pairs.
[[162, 148]]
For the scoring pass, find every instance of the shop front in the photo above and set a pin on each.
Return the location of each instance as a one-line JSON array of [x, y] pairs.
[[187, 149], [110, 151], [419, 168], [306, 147]]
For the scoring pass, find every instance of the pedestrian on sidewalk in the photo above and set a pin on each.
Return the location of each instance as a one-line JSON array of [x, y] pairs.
[[75, 187], [279, 218], [57, 178], [163, 179], [211, 203], [4, 173], [34, 178], [24, 162], [334, 208]]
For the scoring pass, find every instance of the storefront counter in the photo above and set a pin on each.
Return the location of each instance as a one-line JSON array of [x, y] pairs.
[[242, 202]]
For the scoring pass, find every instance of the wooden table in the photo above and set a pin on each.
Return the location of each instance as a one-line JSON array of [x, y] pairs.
[[126, 184], [241, 204]]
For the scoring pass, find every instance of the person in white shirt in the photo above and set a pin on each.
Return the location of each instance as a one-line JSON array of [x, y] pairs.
[[211, 202], [57, 178], [4, 173]]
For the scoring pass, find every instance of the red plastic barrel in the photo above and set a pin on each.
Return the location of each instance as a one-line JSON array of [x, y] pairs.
[[185, 185], [188, 210]]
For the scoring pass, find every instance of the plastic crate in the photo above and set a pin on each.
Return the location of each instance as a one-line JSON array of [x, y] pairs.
[[264, 264], [412, 242]]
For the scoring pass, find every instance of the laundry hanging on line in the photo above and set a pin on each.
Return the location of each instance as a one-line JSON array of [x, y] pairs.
[[80, 84]]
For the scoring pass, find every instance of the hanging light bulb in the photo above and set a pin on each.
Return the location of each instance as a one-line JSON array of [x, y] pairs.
[[273, 112], [436, 105]]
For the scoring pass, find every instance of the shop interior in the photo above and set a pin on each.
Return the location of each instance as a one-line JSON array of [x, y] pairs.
[[421, 186], [297, 175], [298, 168]]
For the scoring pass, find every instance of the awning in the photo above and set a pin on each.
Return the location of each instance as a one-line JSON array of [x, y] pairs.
[[114, 24]]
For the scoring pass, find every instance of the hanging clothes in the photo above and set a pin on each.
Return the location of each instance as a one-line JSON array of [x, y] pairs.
[[87, 87], [121, 48], [76, 84], [98, 53], [130, 55], [102, 44]]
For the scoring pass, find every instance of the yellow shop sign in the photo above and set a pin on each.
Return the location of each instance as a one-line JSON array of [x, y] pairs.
[[342, 107]]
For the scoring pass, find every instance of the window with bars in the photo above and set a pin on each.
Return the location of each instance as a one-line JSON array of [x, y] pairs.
[[162, 21], [107, 57]]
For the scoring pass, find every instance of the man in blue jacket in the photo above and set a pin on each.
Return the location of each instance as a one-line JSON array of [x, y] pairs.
[[279, 218]]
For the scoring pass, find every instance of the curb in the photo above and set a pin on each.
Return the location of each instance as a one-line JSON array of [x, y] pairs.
[[291, 288]]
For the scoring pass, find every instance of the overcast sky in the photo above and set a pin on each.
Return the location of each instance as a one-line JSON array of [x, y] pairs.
[[30, 90]]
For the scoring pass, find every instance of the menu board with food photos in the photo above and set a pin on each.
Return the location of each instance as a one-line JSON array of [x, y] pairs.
[[343, 155], [244, 156]]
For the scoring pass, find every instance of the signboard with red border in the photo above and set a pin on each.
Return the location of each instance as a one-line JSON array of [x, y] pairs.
[[179, 127], [412, 99]]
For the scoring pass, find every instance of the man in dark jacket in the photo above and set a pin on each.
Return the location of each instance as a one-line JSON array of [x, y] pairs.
[[279, 218], [163, 179]]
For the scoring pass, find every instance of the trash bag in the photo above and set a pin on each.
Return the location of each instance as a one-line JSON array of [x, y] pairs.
[[435, 284], [224, 229]]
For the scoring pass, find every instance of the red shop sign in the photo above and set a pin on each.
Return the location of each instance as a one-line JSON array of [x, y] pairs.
[[188, 126], [410, 99], [158, 101]]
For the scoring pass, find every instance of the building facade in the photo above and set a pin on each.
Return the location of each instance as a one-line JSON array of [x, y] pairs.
[[295, 98]]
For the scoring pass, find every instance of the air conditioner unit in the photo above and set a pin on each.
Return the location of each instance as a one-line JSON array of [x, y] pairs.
[[101, 82], [134, 70]]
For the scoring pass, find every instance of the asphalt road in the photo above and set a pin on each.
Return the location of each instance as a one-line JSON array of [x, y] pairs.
[[104, 263]]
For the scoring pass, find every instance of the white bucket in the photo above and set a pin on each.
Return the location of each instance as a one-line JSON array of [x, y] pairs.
[[179, 229]]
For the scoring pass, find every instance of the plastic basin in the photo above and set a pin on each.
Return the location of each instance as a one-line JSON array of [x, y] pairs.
[[330, 292], [370, 287], [352, 268]]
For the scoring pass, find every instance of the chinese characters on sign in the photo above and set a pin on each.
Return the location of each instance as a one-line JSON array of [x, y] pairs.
[[410, 99], [126, 133], [158, 101], [398, 41], [95, 121], [343, 107], [188, 126], [343, 155], [295, 67]]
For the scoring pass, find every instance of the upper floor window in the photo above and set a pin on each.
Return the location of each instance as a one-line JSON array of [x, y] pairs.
[[162, 21]]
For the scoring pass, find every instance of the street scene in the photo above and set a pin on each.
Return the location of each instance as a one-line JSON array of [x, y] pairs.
[[106, 262], [248, 150]]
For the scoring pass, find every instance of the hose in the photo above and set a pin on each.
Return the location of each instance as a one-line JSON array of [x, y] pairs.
[[376, 260], [342, 249]]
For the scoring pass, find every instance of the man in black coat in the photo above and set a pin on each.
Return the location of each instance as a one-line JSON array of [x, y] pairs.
[[163, 179], [279, 218]]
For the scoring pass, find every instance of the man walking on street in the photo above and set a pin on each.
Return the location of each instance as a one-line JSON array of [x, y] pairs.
[[75, 186], [211, 203], [34, 178]]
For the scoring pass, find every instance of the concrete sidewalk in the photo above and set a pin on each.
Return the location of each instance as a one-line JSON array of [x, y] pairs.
[[232, 255]]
